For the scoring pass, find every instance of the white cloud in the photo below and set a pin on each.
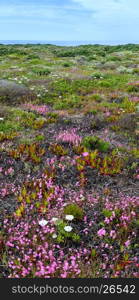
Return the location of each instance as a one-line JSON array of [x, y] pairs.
[[112, 13]]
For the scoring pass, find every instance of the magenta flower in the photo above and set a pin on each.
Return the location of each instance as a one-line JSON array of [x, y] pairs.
[[101, 232], [127, 243], [85, 154], [113, 234]]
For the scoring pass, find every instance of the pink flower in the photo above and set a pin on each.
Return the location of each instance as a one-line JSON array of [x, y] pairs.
[[66, 266], [101, 232], [107, 113], [113, 234], [85, 154], [64, 275], [69, 136], [127, 243]]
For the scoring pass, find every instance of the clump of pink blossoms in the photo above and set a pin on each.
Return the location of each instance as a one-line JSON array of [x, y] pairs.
[[69, 136], [43, 109]]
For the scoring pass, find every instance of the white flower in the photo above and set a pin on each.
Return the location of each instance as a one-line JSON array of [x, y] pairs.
[[68, 228], [43, 222], [69, 217], [54, 236], [54, 219], [1, 119]]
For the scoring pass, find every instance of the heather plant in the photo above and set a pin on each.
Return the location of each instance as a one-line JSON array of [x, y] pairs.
[[69, 136], [41, 109]]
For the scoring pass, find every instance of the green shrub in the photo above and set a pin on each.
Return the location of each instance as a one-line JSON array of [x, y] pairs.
[[42, 72], [74, 210], [95, 142], [66, 64], [114, 58], [52, 115], [39, 138], [97, 75]]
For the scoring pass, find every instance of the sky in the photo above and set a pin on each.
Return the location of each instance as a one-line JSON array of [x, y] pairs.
[[70, 20]]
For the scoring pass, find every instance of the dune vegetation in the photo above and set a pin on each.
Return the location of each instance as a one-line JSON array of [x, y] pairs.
[[69, 161]]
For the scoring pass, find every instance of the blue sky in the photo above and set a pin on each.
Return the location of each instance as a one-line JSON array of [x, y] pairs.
[[70, 20]]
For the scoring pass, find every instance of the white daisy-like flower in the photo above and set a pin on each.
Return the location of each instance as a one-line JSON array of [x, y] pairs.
[[69, 217], [68, 228], [54, 236], [43, 222]]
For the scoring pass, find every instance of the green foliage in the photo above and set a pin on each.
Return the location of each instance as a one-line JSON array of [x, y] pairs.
[[8, 126], [42, 72], [69, 101], [58, 149], [67, 64], [71, 52], [75, 210], [39, 138], [107, 213], [5, 137], [114, 58], [52, 115], [95, 142], [31, 152], [62, 235], [97, 75]]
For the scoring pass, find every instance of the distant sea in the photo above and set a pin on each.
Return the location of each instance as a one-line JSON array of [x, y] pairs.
[[65, 43]]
